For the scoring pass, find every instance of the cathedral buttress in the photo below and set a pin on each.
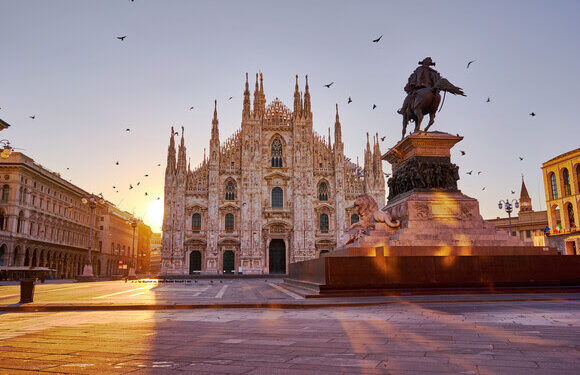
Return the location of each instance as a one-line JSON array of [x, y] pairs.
[[340, 203]]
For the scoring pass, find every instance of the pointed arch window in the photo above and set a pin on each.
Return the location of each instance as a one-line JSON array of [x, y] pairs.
[[277, 153], [324, 223], [354, 219], [229, 222], [323, 191], [196, 222], [5, 192], [230, 191], [566, 182], [571, 221], [277, 197], [554, 186]]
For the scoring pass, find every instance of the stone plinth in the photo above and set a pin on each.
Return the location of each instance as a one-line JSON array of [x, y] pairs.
[[422, 144]]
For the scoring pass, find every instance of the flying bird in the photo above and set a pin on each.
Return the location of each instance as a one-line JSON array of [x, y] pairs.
[[122, 37], [513, 192], [469, 63], [130, 186], [387, 174], [67, 168], [378, 39], [159, 165], [117, 163], [349, 100], [158, 198], [374, 106], [114, 187], [146, 175], [230, 98], [520, 158], [329, 84], [462, 153], [488, 100], [138, 183], [532, 114], [469, 173], [146, 194], [483, 188], [127, 130], [190, 108], [176, 133], [383, 138], [479, 172], [32, 117]]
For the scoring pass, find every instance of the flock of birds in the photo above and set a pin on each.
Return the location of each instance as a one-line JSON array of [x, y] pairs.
[[328, 86]]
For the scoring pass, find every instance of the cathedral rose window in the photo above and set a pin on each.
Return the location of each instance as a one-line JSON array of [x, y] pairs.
[[277, 153]]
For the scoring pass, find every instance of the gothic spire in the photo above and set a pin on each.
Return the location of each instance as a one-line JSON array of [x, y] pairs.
[[297, 104], [181, 162], [329, 143], [337, 128], [256, 98], [246, 109], [171, 152], [307, 107], [262, 95]]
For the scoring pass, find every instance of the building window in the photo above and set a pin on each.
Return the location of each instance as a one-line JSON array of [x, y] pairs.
[[20, 222], [554, 186], [196, 222], [528, 234], [323, 191], [566, 180], [2, 220], [5, 192], [578, 178], [324, 223], [230, 191], [277, 153], [354, 219], [570, 209], [229, 222], [277, 197]]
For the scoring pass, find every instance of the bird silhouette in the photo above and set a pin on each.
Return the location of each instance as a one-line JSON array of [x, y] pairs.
[[462, 153], [349, 100], [383, 138], [230, 98], [374, 106], [513, 192], [146, 194], [488, 100], [130, 186], [32, 117], [483, 188], [114, 187], [329, 84], [121, 38], [469, 173], [138, 183], [479, 172], [521, 158], [127, 130], [176, 133], [146, 175], [469, 63], [532, 114], [116, 163], [67, 168], [378, 39], [158, 198], [190, 108], [387, 174], [159, 165]]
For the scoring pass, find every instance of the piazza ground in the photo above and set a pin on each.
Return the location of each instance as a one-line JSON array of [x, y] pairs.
[[536, 333]]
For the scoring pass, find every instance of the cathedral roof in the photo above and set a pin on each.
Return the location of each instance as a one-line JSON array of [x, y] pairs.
[[277, 112]]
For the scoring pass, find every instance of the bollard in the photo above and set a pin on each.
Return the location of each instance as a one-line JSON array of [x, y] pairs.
[[26, 290]]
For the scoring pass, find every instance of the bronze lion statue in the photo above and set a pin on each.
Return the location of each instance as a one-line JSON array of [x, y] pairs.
[[369, 218]]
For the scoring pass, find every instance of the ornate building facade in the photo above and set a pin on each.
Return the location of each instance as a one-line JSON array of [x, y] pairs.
[[275, 192]]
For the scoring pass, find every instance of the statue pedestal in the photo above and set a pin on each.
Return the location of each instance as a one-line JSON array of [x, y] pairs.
[[443, 241]]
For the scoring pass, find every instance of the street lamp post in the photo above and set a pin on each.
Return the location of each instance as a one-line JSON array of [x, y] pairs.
[[508, 208], [92, 201], [133, 222]]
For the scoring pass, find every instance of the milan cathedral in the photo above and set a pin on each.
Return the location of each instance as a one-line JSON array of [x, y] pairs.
[[273, 193]]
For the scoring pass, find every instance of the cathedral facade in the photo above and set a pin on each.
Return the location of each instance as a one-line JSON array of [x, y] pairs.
[[273, 193]]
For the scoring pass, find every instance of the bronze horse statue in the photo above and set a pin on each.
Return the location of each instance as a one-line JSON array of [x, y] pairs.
[[426, 101]]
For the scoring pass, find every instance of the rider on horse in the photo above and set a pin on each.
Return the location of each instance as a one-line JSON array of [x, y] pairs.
[[423, 76]]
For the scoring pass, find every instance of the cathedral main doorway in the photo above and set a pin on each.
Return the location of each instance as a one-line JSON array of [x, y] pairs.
[[194, 262], [277, 257], [229, 261]]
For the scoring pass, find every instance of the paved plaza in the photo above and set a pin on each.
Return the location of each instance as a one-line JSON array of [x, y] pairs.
[[463, 334]]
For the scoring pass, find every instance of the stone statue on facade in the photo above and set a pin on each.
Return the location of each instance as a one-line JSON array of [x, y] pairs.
[[423, 88]]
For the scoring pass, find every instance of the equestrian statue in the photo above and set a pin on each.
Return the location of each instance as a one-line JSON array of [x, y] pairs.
[[423, 88]]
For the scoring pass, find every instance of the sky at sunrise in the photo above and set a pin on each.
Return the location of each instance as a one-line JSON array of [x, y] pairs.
[[61, 62]]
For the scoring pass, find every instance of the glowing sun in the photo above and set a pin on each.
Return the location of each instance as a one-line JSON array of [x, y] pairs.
[[154, 215]]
